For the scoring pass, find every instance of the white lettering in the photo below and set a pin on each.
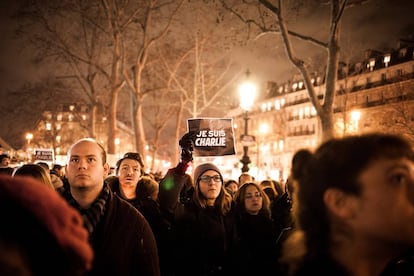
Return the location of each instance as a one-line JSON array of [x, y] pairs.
[[211, 142]]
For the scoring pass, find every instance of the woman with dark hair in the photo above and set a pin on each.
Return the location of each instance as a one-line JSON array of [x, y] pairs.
[[255, 249], [204, 229], [354, 208]]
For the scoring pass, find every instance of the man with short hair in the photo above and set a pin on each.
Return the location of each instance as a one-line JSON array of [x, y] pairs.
[[5, 164], [122, 239], [4, 161], [244, 178]]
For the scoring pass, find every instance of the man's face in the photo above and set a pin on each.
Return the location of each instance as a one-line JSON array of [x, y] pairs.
[[5, 162], [129, 172], [385, 209], [61, 172], [85, 168]]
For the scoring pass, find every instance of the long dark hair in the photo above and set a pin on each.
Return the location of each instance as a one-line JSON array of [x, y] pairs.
[[337, 163]]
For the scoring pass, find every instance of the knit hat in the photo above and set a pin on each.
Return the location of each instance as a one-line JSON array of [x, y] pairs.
[[42, 223], [203, 168]]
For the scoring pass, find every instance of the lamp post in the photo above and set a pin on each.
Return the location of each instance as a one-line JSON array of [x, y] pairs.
[[247, 92], [263, 129]]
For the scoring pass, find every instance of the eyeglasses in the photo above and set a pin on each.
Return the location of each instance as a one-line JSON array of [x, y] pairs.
[[207, 178]]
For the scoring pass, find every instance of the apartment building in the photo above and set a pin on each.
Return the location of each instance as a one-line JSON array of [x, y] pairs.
[[376, 94]]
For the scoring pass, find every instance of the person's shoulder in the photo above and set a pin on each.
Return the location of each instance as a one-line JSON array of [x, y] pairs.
[[123, 205], [7, 170], [112, 181], [320, 266]]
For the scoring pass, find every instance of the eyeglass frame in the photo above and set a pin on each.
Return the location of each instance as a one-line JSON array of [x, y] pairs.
[[207, 179]]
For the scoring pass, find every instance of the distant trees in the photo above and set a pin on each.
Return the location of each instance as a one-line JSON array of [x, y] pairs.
[[154, 47], [272, 17]]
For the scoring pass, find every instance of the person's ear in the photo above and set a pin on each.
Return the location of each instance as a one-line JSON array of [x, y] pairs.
[[106, 170], [339, 203]]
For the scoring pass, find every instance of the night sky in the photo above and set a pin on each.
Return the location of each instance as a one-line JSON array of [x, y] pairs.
[[379, 25]]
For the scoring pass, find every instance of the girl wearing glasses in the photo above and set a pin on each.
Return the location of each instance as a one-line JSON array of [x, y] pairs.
[[203, 230]]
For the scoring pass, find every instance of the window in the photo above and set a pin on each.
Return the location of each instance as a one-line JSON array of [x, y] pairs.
[[269, 106], [387, 59], [402, 53], [371, 64], [277, 104]]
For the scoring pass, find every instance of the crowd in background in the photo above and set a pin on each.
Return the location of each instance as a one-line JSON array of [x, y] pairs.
[[346, 209]]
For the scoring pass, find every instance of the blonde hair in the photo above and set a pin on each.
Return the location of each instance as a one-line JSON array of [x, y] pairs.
[[35, 171]]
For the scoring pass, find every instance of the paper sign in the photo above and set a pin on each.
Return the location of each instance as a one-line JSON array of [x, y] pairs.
[[46, 155], [214, 136]]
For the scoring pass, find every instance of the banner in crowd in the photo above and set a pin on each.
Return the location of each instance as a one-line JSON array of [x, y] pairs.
[[214, 136], [43, 155]]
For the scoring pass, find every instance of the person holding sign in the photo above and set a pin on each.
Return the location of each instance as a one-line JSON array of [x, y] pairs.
[[202, 220]]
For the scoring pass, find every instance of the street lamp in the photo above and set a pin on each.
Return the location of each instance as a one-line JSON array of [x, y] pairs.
[[355, 117], [29, 137], [247, 92]]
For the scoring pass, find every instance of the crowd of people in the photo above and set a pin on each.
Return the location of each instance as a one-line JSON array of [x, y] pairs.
[[346, 209]]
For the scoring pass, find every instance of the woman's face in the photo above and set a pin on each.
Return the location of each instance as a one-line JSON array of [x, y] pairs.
[[210, 185], [253, 200]]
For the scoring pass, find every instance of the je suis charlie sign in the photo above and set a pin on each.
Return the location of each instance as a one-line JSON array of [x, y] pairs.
[[214, 136]]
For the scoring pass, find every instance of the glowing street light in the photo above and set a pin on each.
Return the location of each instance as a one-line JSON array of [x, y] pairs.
[[355, 118], [29, 137], [247, 92]]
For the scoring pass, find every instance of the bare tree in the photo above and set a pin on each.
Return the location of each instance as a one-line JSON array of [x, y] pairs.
[[74, 37], [259, 14], [199, 80], [200, 69], [157, 115], [152, 23]]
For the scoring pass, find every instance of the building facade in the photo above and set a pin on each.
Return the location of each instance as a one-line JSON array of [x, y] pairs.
[[376, 94]]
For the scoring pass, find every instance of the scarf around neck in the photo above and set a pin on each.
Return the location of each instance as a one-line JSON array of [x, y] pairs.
[[93, 214]]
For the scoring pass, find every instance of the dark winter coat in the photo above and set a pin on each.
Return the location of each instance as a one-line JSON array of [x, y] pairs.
[[160, 226], [204, 239], [325, 265], [255, 251], [123, 242]]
